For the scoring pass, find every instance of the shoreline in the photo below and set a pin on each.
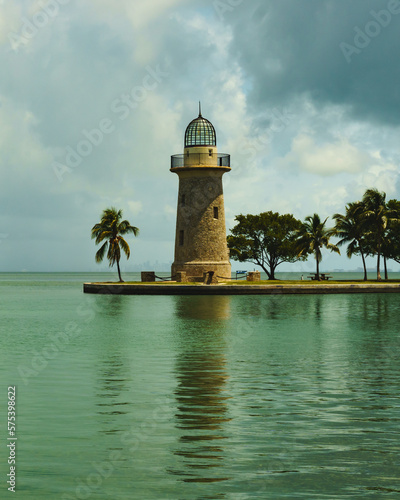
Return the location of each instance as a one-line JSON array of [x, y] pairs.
[[306, 288]]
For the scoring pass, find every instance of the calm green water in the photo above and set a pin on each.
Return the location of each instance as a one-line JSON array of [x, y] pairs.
[[199, 397]]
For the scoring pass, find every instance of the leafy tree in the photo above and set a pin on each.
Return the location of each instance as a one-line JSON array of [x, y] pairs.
[[313, 236], [351, 228], [379, 216], [112, 229], [266, 240]]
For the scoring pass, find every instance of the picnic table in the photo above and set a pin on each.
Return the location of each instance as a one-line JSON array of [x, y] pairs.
[[322, 276]]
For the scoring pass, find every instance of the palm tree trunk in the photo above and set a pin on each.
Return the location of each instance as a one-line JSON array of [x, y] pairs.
[[119, 273], [317, 257], [386, 271], [378, 270], [365, 266]]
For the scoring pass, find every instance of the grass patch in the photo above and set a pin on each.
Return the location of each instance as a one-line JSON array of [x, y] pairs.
[[255, 283]]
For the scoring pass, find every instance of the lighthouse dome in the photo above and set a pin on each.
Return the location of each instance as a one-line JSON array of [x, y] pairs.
[[200, 132]]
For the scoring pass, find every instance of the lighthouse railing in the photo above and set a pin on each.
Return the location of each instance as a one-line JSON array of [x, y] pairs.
[[178, 161]]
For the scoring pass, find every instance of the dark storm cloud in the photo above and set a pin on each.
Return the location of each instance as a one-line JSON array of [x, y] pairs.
[[291, 48]]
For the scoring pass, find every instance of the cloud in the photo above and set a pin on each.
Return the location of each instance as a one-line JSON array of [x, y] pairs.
[[326, 159], [140, 14], [383, 175], [9, 21], [24, 158], [135, 207]]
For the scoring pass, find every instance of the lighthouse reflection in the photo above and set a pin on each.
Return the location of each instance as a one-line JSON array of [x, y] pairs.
[[201, 398]]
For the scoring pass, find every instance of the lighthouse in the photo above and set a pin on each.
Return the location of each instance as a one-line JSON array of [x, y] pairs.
[[200, 241]]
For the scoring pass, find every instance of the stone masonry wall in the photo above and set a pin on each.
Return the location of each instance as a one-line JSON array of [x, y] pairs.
[[201, 218]]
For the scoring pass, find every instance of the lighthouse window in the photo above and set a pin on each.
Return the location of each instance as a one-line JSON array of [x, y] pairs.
[[215, 212], [181, 238], [210, 152]]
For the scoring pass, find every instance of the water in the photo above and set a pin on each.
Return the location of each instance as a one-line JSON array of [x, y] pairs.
[[266, 397]]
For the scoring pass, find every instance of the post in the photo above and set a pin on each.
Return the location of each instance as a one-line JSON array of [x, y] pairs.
[[181, 277], [148, 276], [254, 276]]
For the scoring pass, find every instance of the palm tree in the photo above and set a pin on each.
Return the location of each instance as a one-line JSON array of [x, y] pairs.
[[313, 236], [393, 237], [378, 217], [351, 229], [112, 229]]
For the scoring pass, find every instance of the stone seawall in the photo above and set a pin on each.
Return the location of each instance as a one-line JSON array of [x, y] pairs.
[[200, 289]]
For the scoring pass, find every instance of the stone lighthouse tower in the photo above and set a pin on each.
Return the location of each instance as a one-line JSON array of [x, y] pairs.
[[200, 243]]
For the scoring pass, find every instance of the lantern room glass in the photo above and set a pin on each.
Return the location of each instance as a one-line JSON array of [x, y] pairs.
[[200, 132]]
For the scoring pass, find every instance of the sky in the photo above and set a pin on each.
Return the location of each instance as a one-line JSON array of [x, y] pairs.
[[95, 97]]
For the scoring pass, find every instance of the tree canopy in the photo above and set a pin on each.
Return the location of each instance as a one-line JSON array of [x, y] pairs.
[[266, 240]]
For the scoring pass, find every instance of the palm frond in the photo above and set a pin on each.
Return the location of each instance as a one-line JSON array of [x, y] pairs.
[[352, 249], [114, 252], [126, 228], [101, 252], [103, 235], [125, 247], [332, 248]]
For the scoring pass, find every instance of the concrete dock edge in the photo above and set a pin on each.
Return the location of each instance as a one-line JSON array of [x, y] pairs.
[[196, 289]]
